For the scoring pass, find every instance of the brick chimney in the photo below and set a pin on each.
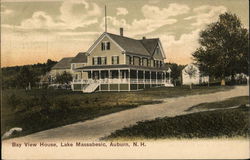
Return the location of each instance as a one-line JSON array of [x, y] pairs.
[[121, 31], [143, 38]]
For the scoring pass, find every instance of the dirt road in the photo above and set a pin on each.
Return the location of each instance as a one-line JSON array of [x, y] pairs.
[[103, 126]]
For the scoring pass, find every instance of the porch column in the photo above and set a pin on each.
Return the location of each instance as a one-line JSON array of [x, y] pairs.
[[161, 77], [82, 76], [164, 77], [156, 77], [129, 79], [119, 79], [144, 78], [150, 83], [109, 80], [99, 80], [91, 74], [137, 78]]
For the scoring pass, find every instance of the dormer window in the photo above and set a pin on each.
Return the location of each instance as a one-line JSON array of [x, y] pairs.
[[105, 46]]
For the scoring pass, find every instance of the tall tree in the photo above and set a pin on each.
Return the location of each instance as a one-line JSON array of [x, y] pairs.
[[224, 48]]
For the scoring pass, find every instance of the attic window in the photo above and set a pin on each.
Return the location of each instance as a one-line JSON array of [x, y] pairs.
[[105, 46]]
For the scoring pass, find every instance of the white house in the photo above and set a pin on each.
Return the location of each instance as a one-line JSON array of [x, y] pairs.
[[192, 75]]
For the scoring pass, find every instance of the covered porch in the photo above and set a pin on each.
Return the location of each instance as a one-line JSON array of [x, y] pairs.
[[122, 79]]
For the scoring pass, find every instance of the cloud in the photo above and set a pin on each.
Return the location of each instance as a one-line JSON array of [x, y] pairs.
[[154, 12], [153, 18], [73, 14], [206, 14], [41, 20], [5, 11], [79, 13], [180, 50], [121, 11]]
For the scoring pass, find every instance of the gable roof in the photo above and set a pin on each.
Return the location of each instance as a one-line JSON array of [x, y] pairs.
[[81, 57], [150, 44], [130, 45], [64, 63]]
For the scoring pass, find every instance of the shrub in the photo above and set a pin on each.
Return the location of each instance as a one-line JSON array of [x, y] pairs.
[[13, 101]]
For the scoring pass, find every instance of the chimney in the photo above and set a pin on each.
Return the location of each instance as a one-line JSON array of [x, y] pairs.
[[143, 38], [121, 32]]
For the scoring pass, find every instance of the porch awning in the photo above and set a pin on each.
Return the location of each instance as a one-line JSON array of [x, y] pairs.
[[117, 67]]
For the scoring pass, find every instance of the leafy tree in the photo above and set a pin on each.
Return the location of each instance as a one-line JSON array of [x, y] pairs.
[[224, 48], [175, 72], [63, 78], [25, 77], [191, 72]]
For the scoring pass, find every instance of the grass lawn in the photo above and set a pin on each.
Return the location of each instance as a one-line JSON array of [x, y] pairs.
[[38, 109], [218, 123], [232, 102]]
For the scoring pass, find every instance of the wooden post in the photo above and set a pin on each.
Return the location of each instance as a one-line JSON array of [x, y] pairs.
[[119, 80], [144, 78], [137, 78], [109, 80], [129, 79], [150, 77]]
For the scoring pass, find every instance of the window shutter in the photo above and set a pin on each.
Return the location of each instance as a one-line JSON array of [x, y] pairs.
[[117, 59], [108, 45]]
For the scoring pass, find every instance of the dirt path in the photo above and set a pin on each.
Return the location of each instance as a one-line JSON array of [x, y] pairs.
[[103, 126]]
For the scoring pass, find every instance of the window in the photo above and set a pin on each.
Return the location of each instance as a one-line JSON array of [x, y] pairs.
[[115, 59], [128, 59], [145, 62], [99, 60], [73, 66], [95, 61], [105, 46], [103, 60]]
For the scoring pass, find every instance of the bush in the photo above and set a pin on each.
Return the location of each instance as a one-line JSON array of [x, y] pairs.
[[13, 101]]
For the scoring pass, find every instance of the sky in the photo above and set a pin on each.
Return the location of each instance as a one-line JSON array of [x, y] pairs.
[[34, 31]]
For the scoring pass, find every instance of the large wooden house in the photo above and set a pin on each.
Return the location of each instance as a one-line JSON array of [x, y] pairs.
[[118, 63]]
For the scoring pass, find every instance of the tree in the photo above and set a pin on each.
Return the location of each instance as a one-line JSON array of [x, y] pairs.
[[191, 72], [224, 48], [63, 78], [175, 72], [25, 77]]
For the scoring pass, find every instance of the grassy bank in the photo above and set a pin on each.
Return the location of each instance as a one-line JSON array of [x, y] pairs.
[[232, 102], [209, 124], [37, 110]]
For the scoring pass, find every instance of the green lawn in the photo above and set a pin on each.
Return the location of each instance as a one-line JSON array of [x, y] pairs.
[[228, 122], [37, 110], [232, 102]]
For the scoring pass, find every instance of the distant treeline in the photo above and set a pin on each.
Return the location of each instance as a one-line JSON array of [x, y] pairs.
[[22, 76]]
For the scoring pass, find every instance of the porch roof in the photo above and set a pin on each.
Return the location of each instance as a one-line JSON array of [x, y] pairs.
[[121, 66]]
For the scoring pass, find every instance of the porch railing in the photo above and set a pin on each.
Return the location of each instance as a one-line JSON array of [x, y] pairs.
[[116, 80]]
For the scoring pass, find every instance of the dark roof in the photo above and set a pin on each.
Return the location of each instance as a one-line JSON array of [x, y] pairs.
[[81, 57], [130, 45], [120, 66], [150, 44], [63, 63]]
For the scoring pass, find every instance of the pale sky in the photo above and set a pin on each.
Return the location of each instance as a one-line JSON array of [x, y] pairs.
[[34, 31]]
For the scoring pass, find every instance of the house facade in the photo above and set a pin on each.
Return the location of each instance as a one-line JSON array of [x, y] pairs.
[[118, 63], [195, 78]]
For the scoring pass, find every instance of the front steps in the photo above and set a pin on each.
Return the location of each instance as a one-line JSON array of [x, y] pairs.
[[90, 88]]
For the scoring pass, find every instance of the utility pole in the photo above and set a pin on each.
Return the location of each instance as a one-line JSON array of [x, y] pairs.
[[105, 19]]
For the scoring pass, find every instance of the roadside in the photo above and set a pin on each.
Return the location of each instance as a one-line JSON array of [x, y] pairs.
[[41, 109], [105, 125], [224, 119]]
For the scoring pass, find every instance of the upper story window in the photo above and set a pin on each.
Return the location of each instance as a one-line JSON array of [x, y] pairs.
[[115, 59], [99, 60], [145, 62], [73, 66], [129, 59], [105, 46]]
